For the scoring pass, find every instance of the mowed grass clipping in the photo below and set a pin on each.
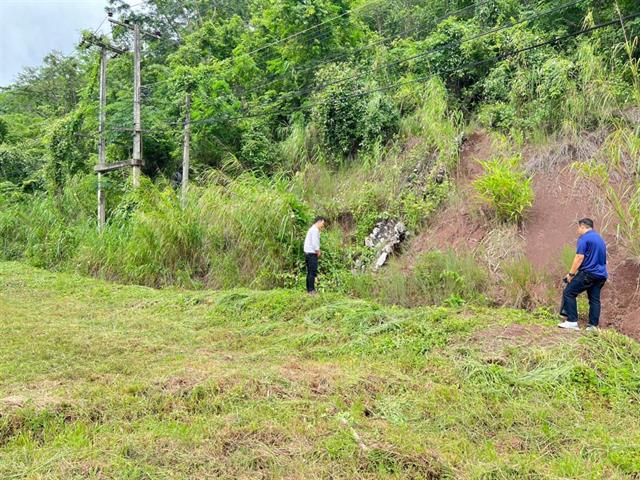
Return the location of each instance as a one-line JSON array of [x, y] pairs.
[[108, 381]]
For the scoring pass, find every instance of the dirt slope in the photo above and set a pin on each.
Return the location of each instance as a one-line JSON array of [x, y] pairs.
[[561, 198]]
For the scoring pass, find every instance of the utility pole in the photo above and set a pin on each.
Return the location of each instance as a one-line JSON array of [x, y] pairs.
[[186, 148], [136, 161], [102, 144], [102, 154]]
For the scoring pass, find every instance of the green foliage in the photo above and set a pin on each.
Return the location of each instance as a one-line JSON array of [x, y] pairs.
[[435, 122], [45, 229], [348, 120], [436, 278], [500, 116], [505, 189], [301, 144], [258, 152], [241, 231], [447, 277], [17, 165], [67, 149], [4, 130]]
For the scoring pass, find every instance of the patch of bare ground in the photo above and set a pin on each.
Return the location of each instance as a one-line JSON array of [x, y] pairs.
[[456, 226], [38, 395], [318, 379], [621, 298], [495, 340]]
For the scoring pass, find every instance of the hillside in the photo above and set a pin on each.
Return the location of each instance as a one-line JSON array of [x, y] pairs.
[[109, 381], [561, 198]]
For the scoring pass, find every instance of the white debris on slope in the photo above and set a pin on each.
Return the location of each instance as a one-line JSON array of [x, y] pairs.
[[385, 238]]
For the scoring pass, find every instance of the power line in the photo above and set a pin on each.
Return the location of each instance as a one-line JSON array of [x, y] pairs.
[[438, 48], [289, 37], [416, 30], [456, 43], [100, 26], [426, 77]]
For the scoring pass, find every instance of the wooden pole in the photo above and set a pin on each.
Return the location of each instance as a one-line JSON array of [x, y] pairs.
[[102, 157], [137, 131], [186, 148]]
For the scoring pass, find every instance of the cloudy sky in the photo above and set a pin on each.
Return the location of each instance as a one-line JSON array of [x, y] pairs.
[[29, 29]]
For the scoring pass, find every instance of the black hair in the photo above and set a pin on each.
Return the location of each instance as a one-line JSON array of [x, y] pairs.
[[319, 218], [587, 222]]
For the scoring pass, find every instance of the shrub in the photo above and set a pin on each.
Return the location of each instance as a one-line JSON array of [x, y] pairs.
[[17, 164], [4, 130], [348, 121], [448, 276], [499, 115], [505, 189], [258, 152]]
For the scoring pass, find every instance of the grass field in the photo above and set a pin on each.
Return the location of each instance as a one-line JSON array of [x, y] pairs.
[[108, 381]]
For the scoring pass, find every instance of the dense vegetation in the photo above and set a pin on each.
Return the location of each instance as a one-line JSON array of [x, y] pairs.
[[110, 381], [353, 109]]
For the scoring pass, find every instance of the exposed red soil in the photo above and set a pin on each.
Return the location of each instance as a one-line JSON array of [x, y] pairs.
[[551, 224], [561, 198], [621, 298], [455, 226]]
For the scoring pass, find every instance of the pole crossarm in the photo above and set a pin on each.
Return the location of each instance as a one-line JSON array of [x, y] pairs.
[[116, 166], [91, 39], [130, 26]]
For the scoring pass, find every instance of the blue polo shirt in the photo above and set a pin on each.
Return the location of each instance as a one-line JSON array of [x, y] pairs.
[[592, 246]]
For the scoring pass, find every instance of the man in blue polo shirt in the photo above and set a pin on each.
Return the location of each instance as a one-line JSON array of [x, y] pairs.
[[588, 274]]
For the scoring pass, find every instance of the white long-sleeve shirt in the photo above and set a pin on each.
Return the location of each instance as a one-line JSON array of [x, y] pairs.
[[312, 240]]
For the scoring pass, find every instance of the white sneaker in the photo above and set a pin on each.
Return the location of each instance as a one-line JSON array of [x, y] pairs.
[[569, 325], [592, 328]]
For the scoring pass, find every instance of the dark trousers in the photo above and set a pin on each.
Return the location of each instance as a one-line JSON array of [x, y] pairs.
[[582, 282], [311, 261]]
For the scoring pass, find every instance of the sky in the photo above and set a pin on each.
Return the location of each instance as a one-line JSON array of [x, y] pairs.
[[29, 29]]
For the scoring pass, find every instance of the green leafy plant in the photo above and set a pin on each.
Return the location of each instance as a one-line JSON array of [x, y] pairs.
[[505, 189]]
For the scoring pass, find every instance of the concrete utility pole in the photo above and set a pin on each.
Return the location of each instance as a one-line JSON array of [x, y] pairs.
[[186, 148], [102, 154], [102, 144], [137, 161]]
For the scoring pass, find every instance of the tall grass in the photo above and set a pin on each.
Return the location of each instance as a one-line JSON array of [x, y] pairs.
[[505, 189], [436, 278], [434, 122], [523, 286], [240, 231], [243, 231], [45, 229]]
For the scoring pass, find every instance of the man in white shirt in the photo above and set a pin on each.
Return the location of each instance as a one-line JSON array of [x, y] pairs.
[[312, 253]]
